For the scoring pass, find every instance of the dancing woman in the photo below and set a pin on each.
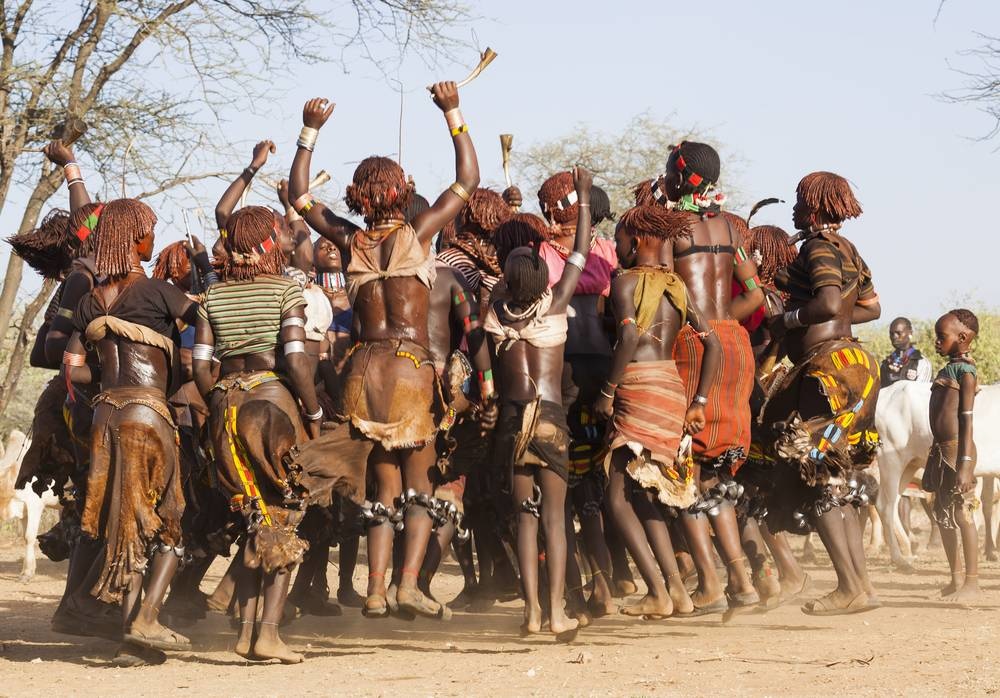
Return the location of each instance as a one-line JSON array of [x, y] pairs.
[[819, 420], [390, 392]]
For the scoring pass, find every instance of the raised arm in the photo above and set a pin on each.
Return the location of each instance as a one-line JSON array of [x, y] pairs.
[[626, 341], [78, 284], [300, 373], [320, 218], [564, 288], [454, 198], [302, 255], [745, 273], [62, 155], [694, 419], [231, 197]]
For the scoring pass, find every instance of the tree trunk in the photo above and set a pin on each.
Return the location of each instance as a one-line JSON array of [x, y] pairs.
[[24, 337]]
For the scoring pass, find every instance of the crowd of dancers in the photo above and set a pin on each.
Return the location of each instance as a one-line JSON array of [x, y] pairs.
[[547, 402]]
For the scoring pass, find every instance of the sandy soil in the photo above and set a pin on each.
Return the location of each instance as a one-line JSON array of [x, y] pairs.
[[914, 645]]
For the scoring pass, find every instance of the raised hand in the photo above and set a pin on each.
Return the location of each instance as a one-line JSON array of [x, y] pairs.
[[582, 180], [283, 193], [316, 112], [260, 153], [58, 153], [445, 95]]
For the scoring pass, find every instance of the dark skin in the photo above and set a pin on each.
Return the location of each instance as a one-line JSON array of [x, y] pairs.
[[829, 315], [951, 420], [709, 277], [647, 536], [527, 372], [78, 283], [301, 254], [393, 308], [446, 328], [128, 364]]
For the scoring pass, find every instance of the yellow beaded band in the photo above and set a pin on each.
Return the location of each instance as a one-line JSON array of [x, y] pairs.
[[464, 128], [304, 203]]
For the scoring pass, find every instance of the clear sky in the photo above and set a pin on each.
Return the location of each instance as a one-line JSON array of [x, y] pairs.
[[789, 86]]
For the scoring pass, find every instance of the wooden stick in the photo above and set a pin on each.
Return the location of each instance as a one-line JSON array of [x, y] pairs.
[[484, 60]]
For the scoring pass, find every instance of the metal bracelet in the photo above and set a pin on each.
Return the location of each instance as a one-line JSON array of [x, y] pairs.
[[578, 260], [293, 322], [295, 347], [314, 416], [792, 319], [202, 352], [700, 400]]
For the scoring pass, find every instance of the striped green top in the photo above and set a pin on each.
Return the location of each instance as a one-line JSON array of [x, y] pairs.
[[246, 315]]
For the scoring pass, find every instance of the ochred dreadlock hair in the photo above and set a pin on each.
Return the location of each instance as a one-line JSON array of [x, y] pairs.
[[123, 223], [769, 246], [484, 212], [967, 318], [738, 223], [48, 249], [173, 263], [644, 195], [829, 195], [252, 244], [555, 189], [77, 219], [520, 230], [657, 222], [379, 190]]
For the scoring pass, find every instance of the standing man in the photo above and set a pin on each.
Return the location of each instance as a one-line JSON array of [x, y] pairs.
[[905, 363]]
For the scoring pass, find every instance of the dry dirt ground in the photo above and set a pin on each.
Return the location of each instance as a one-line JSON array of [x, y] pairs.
[[915, 644]]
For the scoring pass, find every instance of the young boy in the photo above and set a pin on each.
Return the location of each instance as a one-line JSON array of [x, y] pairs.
[[650, 411], [951, 464]]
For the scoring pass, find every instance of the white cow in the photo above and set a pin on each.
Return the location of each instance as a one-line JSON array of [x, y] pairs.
[[22, 504], [902, 418]]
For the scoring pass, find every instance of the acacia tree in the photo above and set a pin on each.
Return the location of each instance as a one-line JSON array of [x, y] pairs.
[[152, 80], [982, 82], [619, 160]]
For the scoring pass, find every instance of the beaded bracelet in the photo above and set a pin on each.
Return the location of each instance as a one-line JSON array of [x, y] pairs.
[[304, 203]]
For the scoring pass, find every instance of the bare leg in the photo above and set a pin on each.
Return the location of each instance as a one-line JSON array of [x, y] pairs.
[[765, 581], [594, 543], [145, 618], [727, 538], [793, 579], [439, 542], [348, 560], [247, 583], [269, 644], [554, 524], [833, 532], [221, 599], [576, 602], [699, 542], [380, 536], [657, 601], [417, 532], [527, 550], [658, 535], [970, 550], [856, 543]]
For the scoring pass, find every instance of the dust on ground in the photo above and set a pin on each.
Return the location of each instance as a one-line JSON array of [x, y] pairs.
[[915, 644]]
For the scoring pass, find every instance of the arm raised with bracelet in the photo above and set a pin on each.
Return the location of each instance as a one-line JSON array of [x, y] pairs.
[[231, 197], [454, 198], [320, 218], [564, 288], [62, 155]]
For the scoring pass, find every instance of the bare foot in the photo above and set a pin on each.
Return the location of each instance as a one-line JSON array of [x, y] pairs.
[[649, 605], [767, 584], [275, 648], [967, 593], [706, 597], [245, 639], [561, 625], [626, 587], [952, 586], [679, 595], [598, 608], [532, 620]]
